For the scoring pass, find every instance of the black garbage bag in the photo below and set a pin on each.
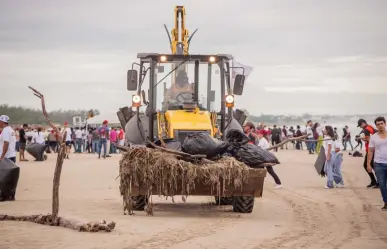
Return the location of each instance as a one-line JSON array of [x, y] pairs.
[[356, 153], [202, 143], [170, 144], [253, 155], [37, 151], [9, 177], [237, 137]]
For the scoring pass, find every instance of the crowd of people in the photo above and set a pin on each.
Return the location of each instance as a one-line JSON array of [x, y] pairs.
[[313, 142], [93, 140], [96, 140], [327, 137]]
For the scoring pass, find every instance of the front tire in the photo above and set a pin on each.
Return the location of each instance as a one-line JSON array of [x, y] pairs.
[[243, 204]]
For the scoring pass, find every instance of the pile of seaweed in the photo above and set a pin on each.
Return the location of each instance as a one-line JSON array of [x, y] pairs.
[[200, 158], [148, 168]]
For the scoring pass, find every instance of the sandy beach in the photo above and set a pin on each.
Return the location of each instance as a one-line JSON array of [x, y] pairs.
[[300, 215]]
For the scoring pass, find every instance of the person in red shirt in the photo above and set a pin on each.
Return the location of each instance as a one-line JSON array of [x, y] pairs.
[[121, 137], [368, 130]]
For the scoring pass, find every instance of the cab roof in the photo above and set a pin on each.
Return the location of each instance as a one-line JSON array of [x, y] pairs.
[[203, 57]]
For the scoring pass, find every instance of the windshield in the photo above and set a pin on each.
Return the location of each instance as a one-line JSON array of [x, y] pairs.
[[178, 87]]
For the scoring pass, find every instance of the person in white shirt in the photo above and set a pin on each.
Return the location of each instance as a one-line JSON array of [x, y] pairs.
[[7, 140], [264, 144], [38, 137], [67, 130], [378, 149], [334, 159], [29, 135], [78, 140]]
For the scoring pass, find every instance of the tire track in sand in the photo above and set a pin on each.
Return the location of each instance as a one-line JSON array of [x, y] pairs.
[[306, 223], [371, 216], [314, 225], [350, 225], [204, 226]]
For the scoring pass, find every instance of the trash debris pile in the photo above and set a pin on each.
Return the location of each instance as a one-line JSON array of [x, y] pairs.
[[168, 172], [236, 145]]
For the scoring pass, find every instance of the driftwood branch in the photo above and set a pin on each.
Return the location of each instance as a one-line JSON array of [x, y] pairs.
[[287, 141], [60, 158], [59, 161], [315, 140], [62, 222], [56, 180], [122, 147], [44, 110], [163, 144]]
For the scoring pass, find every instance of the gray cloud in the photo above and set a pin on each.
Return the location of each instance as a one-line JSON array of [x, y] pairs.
[[85, 47]]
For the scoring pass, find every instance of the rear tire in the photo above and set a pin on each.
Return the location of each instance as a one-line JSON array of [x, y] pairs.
[[224, 200], [243, 204], [140, 202]]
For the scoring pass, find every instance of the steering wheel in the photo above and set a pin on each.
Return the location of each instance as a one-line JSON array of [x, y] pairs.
[[184, 97]]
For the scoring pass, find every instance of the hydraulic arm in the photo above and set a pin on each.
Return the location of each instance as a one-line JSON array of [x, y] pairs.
[[180, 39]]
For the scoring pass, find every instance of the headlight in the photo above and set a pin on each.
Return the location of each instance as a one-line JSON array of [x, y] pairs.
[[229, 99], [136, 99], [163, 58], [212, 59]]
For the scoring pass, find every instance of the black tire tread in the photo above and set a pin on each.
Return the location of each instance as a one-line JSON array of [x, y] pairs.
[[243, 204]]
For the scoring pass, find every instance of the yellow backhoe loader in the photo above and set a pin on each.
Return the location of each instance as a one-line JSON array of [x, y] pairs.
[[178, 93]]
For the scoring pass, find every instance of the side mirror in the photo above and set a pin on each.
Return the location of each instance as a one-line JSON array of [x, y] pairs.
[[239, 84], [132, 80]]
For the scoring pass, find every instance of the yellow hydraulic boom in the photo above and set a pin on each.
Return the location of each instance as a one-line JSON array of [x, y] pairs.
[[180, 35]]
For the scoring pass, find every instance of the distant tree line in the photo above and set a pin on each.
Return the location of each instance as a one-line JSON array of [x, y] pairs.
[[279, 119], [21, 115], [24, 115]]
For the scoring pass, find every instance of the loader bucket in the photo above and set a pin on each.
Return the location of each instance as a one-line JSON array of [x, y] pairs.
[[124, 114]]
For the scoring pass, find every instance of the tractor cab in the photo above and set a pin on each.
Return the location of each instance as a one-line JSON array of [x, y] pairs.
[[183, 93]]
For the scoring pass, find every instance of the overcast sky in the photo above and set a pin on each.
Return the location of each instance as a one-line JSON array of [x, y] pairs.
[[308, 56]]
